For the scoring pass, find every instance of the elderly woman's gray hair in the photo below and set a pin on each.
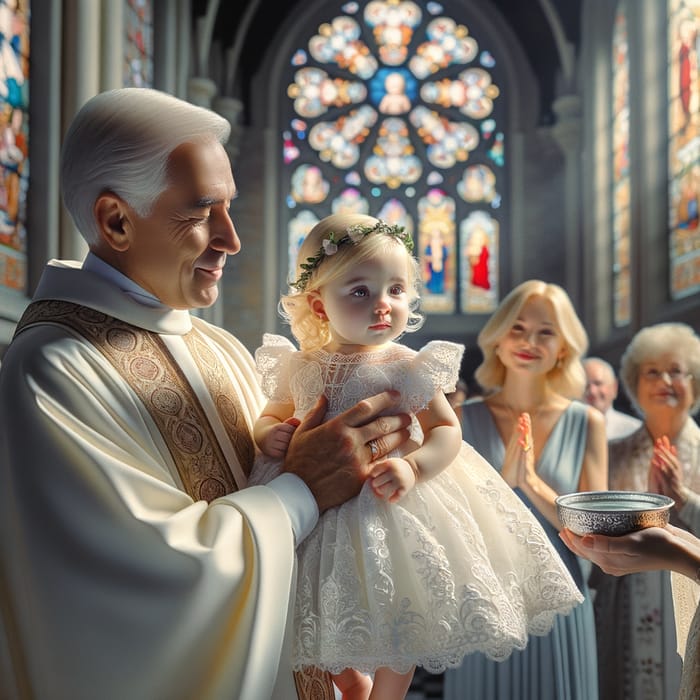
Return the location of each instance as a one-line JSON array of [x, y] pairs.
[[652, 342]]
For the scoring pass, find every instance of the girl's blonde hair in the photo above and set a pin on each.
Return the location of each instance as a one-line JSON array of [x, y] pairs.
[[316, 268], [567, 377]]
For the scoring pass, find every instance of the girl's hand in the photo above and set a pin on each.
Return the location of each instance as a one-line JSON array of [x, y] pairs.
[[666, 471], [277, 438], [391, 479]]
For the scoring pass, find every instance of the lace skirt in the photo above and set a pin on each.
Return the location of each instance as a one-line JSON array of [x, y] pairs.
[[458, 565]]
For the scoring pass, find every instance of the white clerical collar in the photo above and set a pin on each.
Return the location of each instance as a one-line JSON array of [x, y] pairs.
[[96, 265]]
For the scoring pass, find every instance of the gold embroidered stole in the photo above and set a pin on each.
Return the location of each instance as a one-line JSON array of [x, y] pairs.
[[144, 361], [314, 684]]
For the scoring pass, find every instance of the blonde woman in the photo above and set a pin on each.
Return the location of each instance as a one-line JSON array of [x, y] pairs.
[[545, 443], [436, 558]]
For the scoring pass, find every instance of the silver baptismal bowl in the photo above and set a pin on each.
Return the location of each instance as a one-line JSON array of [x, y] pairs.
[[612, 512]]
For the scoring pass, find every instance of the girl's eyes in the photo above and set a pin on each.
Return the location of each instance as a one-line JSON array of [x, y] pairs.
[[361, 292]]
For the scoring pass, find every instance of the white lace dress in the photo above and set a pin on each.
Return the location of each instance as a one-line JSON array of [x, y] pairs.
[[458, 565]]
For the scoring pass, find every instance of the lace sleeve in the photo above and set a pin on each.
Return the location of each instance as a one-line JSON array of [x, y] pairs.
[[435, 367], [272, 364]]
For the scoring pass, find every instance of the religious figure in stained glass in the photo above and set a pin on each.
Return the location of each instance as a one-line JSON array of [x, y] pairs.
[[477, 184], [14, 143], [298, 227], [398, 106], [138, 43], [436, 246], [350, 201], [395, 214], [478, 253], [435, 256], [684, 148], [687, 68], [308, 184], [621, 185], [479, 236], [395, 100]]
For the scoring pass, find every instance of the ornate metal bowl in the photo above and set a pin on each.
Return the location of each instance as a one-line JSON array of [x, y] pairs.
[[612, 512]]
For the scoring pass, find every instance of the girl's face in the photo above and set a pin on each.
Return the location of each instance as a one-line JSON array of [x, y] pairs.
[[665, 386], [533, 343], [368, 305]]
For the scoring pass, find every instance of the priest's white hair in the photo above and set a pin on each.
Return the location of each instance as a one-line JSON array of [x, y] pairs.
[[120, 142]]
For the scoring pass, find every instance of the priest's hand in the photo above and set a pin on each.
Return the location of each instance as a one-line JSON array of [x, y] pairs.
[[334, 458]]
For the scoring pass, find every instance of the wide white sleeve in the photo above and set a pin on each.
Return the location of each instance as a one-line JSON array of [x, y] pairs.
[[114, 583]]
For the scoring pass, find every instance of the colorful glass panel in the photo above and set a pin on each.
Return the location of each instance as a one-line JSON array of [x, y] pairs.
[[684, 148], [437, 250], [138, 43], [14, 144], [479, 237], [621, 271], [394, 109]]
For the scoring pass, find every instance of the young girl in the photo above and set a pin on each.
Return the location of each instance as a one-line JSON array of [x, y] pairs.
[[436, 557]]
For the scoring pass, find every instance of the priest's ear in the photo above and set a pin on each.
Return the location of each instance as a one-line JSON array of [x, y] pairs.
[[112, 215]]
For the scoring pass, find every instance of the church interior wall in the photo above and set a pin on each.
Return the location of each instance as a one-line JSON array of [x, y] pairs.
[[542, 239]]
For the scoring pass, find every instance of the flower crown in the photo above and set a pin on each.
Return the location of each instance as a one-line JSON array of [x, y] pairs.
[[353, 234]]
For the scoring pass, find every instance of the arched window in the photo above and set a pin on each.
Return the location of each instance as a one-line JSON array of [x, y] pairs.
[[138, 43], [14, 144], [683, 148], [394, 109], [621, 186]]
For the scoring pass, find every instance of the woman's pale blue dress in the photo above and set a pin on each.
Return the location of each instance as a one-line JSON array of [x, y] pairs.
[[561, 665]]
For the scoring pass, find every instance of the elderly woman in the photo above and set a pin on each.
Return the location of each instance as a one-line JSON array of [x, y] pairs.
[[637, 638]]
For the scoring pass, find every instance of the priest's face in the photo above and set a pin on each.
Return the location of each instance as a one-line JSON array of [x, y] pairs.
[[178, 251]]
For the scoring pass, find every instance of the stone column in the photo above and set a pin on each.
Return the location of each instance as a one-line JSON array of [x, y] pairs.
[[165, 47], [112, 50], [200, 91], [231, 108], [81, 74]]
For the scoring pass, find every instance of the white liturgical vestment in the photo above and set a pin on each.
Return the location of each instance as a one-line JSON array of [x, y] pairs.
[[114, 582]]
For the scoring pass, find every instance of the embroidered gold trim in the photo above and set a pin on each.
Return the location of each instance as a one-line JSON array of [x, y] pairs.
[[144, 361], [313, 684], [225, 398]]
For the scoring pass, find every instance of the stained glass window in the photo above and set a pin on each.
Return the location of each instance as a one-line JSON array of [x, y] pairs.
[[138, 43], [621, 170], [684, 147], [14, 142], [395, 110]]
